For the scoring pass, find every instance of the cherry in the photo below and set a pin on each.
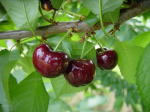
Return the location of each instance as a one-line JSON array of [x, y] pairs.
[[46, 5], [106, 59], [80, 72], [49, 63]]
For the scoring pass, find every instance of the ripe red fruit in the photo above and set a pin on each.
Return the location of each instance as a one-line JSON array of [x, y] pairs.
[[80, 72], [49, 63], [107, 59], [46, 5]]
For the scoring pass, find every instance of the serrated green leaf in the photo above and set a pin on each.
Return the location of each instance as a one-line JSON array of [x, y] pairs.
[[142, 40], [2, 13], [27, 65], [128, 58], [89, 52], [66, 47], [91, 19], [112, 16], [22, 11], [8, 61], [126, 32], [146, 16], [30, 95], [143, 79], [12, 84], [109, 6], [1, 110], [57, 3]]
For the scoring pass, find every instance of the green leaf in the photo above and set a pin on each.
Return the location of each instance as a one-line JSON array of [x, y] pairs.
[[7, 62], [108, 5], [27, 65], [91, 19], [1, 110], [61, 86], [57, 3], [30, 95], [112, 16], [12, 84], [142, 40], [128, 58], [143, 79], [146, 16], [66, 47], [2, 12], [89, 52], [20, 11], [126, 32]]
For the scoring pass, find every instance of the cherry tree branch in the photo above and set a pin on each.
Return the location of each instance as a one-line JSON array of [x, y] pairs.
[[78, 26]]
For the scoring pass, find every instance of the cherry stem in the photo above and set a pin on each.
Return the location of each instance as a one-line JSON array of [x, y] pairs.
[[98, 42], [60, 41], [44, 39], [13, 46], [54, 14], [17, 42], [83, 49], [101, 18], [46, 19], [86, 53]]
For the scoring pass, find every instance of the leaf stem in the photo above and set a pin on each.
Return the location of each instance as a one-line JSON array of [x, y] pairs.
[[60, 41], [83, 48], [88, 51]]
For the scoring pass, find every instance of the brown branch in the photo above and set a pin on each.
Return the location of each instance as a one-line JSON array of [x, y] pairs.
[[135, 11], [80, 26]]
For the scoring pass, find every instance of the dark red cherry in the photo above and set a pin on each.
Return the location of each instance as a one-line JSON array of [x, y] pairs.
[[80, 72], [46, 5], [49, 63], [107, 59]]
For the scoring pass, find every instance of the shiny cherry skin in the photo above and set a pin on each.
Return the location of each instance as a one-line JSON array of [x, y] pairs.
[[80, 72], [46, 5], [49, 63], [107, 59]]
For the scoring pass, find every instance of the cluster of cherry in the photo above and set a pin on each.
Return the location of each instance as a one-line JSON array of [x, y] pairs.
[[77, 72]]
